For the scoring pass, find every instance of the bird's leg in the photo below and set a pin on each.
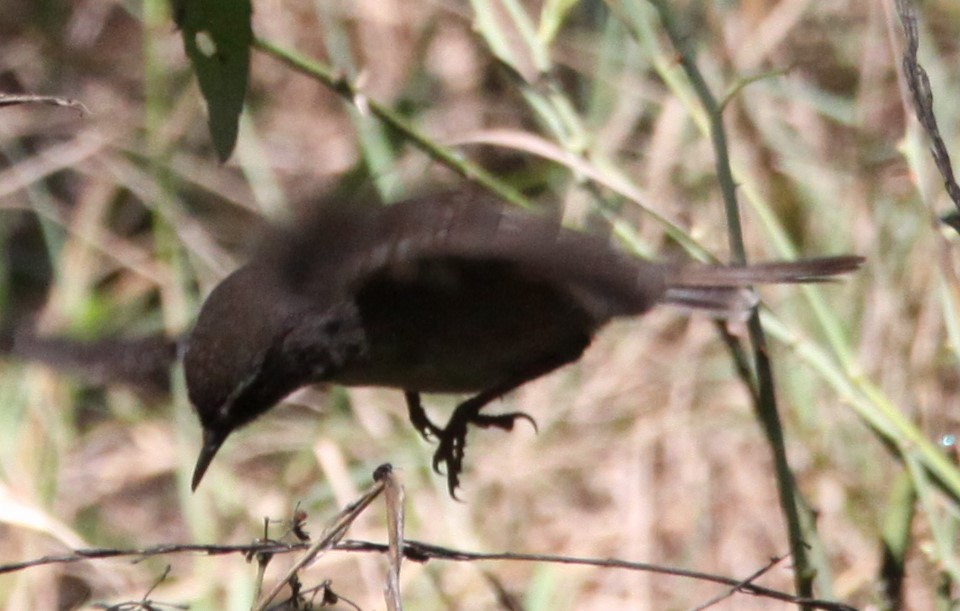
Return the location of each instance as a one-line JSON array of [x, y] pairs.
[[453, 437], [418, 417]]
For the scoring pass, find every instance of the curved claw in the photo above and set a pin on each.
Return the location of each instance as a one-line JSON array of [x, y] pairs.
[[504, 421], [452, 484], [453, 441], [450, 453]]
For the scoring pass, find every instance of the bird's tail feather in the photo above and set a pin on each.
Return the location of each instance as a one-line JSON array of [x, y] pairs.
[[730, 303], [723, 290], [779, 272]]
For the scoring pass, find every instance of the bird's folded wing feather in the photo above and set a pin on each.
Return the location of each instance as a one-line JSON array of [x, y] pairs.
[[340, 248]]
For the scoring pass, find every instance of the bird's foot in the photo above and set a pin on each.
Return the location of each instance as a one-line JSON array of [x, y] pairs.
[[453, 438]]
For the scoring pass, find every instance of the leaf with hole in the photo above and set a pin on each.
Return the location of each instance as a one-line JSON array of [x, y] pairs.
[[216, 37]]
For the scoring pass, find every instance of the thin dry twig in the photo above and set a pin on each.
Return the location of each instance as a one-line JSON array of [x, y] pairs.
[[13, 99], [418, 551], [739, 588], [145, 601], [919, 84]]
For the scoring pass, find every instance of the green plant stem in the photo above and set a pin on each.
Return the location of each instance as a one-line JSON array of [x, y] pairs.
[[339, 84], [766, 405]]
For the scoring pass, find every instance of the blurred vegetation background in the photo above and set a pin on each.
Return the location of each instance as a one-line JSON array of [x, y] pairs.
[[116, 223]]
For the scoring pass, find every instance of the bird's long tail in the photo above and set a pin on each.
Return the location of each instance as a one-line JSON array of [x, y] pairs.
[[724, 290]]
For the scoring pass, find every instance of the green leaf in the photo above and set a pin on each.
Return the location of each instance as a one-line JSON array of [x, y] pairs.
[[552, 16], [216, 37]]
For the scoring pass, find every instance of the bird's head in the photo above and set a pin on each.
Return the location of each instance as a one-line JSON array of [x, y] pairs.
[[230, 356]]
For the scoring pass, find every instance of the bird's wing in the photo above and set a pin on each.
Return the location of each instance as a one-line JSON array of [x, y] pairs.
[[339, 248]]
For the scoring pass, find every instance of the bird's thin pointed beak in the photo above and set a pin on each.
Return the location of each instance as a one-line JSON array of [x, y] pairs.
[[212, 440]]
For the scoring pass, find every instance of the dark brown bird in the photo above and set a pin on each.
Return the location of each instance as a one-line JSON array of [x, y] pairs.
[[442, 294]]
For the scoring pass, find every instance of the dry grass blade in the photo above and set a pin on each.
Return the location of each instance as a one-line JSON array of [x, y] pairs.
[[330, 536], [393, 491]]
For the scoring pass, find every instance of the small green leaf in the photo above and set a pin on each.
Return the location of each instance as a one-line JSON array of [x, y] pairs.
[[552, 17], [216, 37]]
